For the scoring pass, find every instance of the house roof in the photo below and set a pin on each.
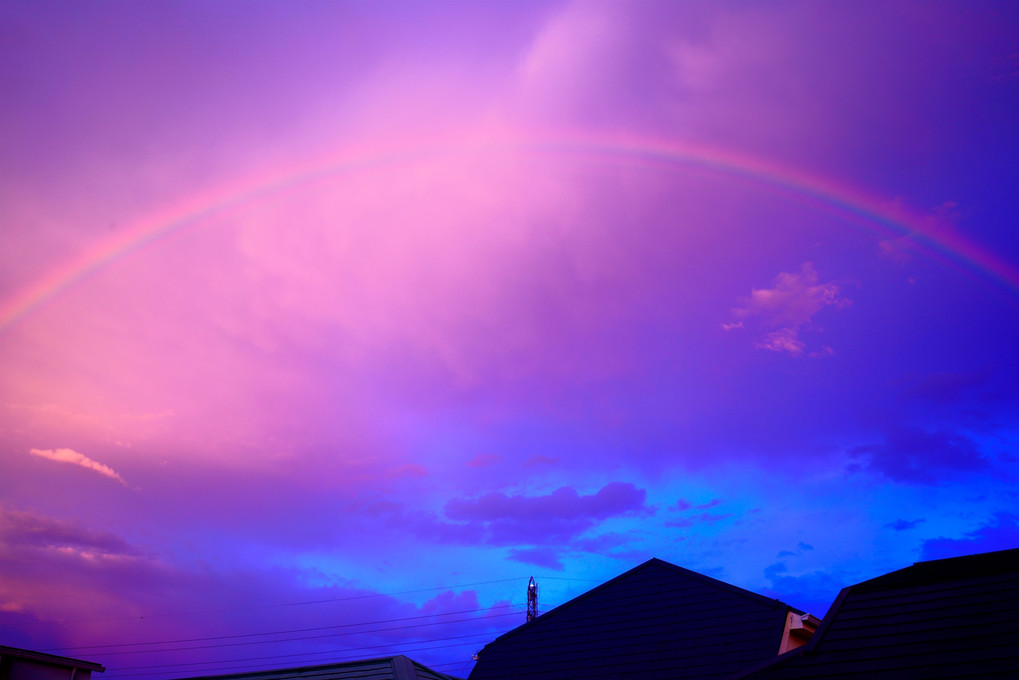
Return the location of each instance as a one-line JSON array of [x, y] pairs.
[[388, 668], [50, 659], [951, 618], [654, 621]]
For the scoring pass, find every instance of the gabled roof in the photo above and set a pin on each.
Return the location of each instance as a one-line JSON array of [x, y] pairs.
[[655, 621], [50, 659], [951, 618], [388, 668]]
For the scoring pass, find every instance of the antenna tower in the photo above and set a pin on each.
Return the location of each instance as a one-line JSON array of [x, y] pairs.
[[532, 600]]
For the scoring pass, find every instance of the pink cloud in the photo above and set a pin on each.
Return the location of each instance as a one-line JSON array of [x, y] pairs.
[[74, 458], [788, 307], [793, 299], [783, 340]]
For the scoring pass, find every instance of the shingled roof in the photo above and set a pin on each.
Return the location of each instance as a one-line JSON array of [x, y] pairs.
[[388, 668], [951, 618], [655, 621]]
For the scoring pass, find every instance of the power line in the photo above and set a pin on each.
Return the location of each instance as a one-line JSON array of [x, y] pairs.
[[234, 668], [286, 656], [273, 632], [261, 606], [306, 637]]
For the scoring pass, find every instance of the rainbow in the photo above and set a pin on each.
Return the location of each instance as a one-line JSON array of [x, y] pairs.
[[848, 203]]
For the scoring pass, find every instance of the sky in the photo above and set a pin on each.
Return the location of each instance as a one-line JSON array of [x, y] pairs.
[[326, 325]]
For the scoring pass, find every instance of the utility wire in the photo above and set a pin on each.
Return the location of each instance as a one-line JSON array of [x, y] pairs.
[[308, 637], [285, 656], [275, 632], [262, 606], [230, 665]]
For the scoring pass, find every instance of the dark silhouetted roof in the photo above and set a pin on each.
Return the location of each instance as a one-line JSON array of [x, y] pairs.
[[655, 621], [49, 659], [951, 618], [389, 668]]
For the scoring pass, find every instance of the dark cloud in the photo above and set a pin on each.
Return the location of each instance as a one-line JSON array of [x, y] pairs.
[[1001, 534], [917, 457], [904, 524], [945, 387], [813, 592], [539, 557], [682, 505], [24, 529], [553, 519], [60, 589], [708, 518], [540, 460]]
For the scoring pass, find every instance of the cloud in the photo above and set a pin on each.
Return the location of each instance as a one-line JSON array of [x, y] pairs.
[[26, 530], [784, 340], [904, 524], [683, 504], [484, 460], [793, 300], [539, 460], [788, 307], [553, 519], [1001, 534], [43, 579], [74, 458], [409, 470], [914, 456], [539, 557], [899, 250], [812, 592], [944, 387]]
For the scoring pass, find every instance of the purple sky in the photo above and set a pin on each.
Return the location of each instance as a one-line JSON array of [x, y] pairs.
[[344, 319]]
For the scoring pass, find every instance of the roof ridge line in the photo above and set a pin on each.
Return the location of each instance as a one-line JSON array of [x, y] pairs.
[[760, 599]]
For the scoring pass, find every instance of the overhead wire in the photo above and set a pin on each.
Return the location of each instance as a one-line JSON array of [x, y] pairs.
[[221, 666], [282, 656], [232, 662], [261, 606], [306, 637], [273, 632]]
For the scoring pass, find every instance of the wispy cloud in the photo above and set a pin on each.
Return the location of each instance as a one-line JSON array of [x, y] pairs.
[[783, 340], [74, 458], [484, 460]]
